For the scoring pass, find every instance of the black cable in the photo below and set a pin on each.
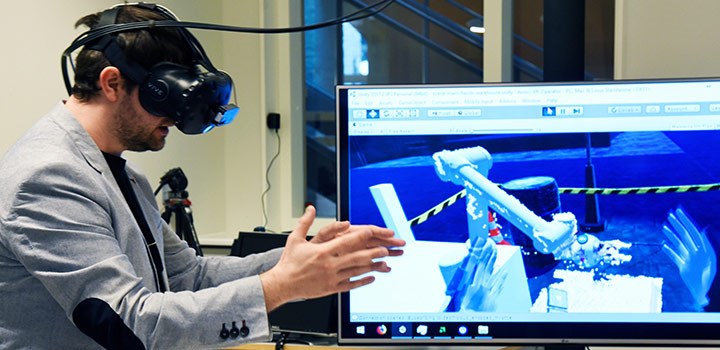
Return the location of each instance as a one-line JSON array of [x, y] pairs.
[[267, 180], [95, 33], [98, 32]]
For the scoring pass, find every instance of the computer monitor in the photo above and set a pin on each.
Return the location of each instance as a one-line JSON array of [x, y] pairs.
[[580, 213], [311, 317]]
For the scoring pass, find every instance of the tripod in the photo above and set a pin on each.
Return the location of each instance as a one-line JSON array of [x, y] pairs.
[[176, 203]]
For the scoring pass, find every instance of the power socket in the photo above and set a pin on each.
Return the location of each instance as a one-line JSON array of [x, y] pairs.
[[273, 121]]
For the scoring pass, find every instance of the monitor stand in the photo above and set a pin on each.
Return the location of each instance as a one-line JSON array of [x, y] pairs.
[[282, 338]]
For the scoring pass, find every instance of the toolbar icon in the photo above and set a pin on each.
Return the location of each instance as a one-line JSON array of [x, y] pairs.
[[548, 111]]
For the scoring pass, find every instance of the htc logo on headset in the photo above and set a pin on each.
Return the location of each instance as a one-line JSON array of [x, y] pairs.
[[158, 89]]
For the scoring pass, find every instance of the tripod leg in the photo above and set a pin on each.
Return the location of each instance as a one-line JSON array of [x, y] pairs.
[[166, 214], [185, 225], [191, 226]]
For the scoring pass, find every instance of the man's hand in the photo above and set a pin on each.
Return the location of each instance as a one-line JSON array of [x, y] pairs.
[[380, 236], [329, 262]]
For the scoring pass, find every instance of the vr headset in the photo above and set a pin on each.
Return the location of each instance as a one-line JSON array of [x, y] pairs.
[[196, 98]]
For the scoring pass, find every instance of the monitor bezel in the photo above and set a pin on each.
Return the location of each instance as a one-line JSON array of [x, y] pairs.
[[565, 333]]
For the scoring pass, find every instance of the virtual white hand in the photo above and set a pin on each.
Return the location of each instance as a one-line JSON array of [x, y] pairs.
[[482, 293], [690, 249]]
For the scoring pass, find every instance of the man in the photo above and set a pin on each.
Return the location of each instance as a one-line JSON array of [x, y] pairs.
[[86, 260]]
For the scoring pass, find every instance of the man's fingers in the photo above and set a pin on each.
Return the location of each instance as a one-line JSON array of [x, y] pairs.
[[380, 235], [349, 243], [352, 284], [385, 242], [303, 225], [351, 273], [330, 231], [395, 252], [356, 238], [347, 251], [361, 257], [359, 263]]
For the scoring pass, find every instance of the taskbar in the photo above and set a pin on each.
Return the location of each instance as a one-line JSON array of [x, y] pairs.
[[417, 330]]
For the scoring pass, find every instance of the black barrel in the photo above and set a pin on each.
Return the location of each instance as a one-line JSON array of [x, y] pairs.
[[539, 194]]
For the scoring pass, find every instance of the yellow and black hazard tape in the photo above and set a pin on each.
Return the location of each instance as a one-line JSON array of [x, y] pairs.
[[437, 209], [641, 190], [578, 190]]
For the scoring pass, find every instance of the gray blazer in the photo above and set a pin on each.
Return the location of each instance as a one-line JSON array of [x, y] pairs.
[[68, 238]]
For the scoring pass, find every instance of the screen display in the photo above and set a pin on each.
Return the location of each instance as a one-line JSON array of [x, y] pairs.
[[535, 213]]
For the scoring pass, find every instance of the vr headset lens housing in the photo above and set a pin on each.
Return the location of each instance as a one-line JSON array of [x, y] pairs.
[[197, 102]]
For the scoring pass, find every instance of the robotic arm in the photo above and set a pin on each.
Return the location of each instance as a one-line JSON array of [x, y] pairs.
[[468, 167]]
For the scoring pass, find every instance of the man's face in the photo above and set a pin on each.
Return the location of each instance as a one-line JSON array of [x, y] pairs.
[[137, 129]]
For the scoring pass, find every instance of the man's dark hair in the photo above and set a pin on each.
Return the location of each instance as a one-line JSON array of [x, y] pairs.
[[146, 47]]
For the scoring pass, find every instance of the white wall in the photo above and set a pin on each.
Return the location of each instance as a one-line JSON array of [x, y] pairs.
[[667, 39], [32, 42]]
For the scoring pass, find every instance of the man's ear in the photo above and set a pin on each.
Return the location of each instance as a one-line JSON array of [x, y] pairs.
[[111, 83]]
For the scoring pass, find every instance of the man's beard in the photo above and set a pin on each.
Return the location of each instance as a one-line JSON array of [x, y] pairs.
[[131, 131]]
